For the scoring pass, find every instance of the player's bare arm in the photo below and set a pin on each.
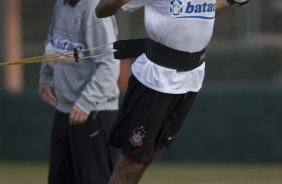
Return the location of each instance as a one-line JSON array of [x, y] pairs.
[[107, 8], [221, 4]]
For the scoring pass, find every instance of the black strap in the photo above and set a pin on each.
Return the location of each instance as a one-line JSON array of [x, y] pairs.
[[159, 54], [127, 49], [171, 58]]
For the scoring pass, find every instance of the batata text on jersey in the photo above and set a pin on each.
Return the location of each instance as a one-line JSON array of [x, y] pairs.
[[180, 9], [64, 44]]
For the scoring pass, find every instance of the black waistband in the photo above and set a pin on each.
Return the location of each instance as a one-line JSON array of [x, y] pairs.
[[159, 54]]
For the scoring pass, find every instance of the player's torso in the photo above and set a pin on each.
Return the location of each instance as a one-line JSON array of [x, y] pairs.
[[66, 33], [68, 26], [185, 25]]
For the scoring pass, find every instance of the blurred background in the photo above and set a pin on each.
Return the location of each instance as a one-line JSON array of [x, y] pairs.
[[236, 118]]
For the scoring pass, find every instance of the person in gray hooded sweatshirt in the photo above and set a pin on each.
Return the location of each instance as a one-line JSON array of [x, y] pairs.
[[85, 95]]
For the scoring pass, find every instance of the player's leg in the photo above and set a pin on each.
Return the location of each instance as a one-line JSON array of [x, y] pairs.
[[60, 164], [128, 171], [148, 120], [138, 130]]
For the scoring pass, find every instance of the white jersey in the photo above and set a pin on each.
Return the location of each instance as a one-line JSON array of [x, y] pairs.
[[184, 25]]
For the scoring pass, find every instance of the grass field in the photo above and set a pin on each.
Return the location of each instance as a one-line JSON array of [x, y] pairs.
[[169, 173]]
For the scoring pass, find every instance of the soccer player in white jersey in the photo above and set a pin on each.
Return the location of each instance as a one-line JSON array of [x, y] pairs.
[[166, 78]]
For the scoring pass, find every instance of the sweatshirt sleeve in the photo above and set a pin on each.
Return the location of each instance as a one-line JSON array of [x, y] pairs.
[[103, 84], [46, 69]]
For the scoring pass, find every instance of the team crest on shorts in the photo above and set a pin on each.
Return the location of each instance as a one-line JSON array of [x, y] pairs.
[[138, 134]]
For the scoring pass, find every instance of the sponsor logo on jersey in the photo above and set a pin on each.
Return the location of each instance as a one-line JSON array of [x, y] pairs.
[[77, 21], [180, 9], [64, 44]]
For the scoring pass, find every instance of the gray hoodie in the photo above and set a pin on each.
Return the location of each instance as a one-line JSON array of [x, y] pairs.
[[91, 84]]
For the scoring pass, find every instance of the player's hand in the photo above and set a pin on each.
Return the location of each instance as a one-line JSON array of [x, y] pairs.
[[45, 93], [77, 116]]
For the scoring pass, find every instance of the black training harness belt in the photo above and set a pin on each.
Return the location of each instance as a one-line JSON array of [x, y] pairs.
[[158, 53]]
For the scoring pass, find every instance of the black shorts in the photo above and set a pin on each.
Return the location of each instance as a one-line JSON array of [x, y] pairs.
[[147, 119]]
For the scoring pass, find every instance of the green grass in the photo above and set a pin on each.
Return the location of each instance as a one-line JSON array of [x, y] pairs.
[[213, 174], [162, 173], [23, 173]]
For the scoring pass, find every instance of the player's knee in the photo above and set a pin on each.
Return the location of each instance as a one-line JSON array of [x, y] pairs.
[[134, 172], [130, 170], [155, 154]]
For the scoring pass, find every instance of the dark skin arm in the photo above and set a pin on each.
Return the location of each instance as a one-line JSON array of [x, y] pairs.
[[107, 8], [220, 5]]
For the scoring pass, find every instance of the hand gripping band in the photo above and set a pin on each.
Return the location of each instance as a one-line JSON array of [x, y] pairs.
[[159, 54]]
